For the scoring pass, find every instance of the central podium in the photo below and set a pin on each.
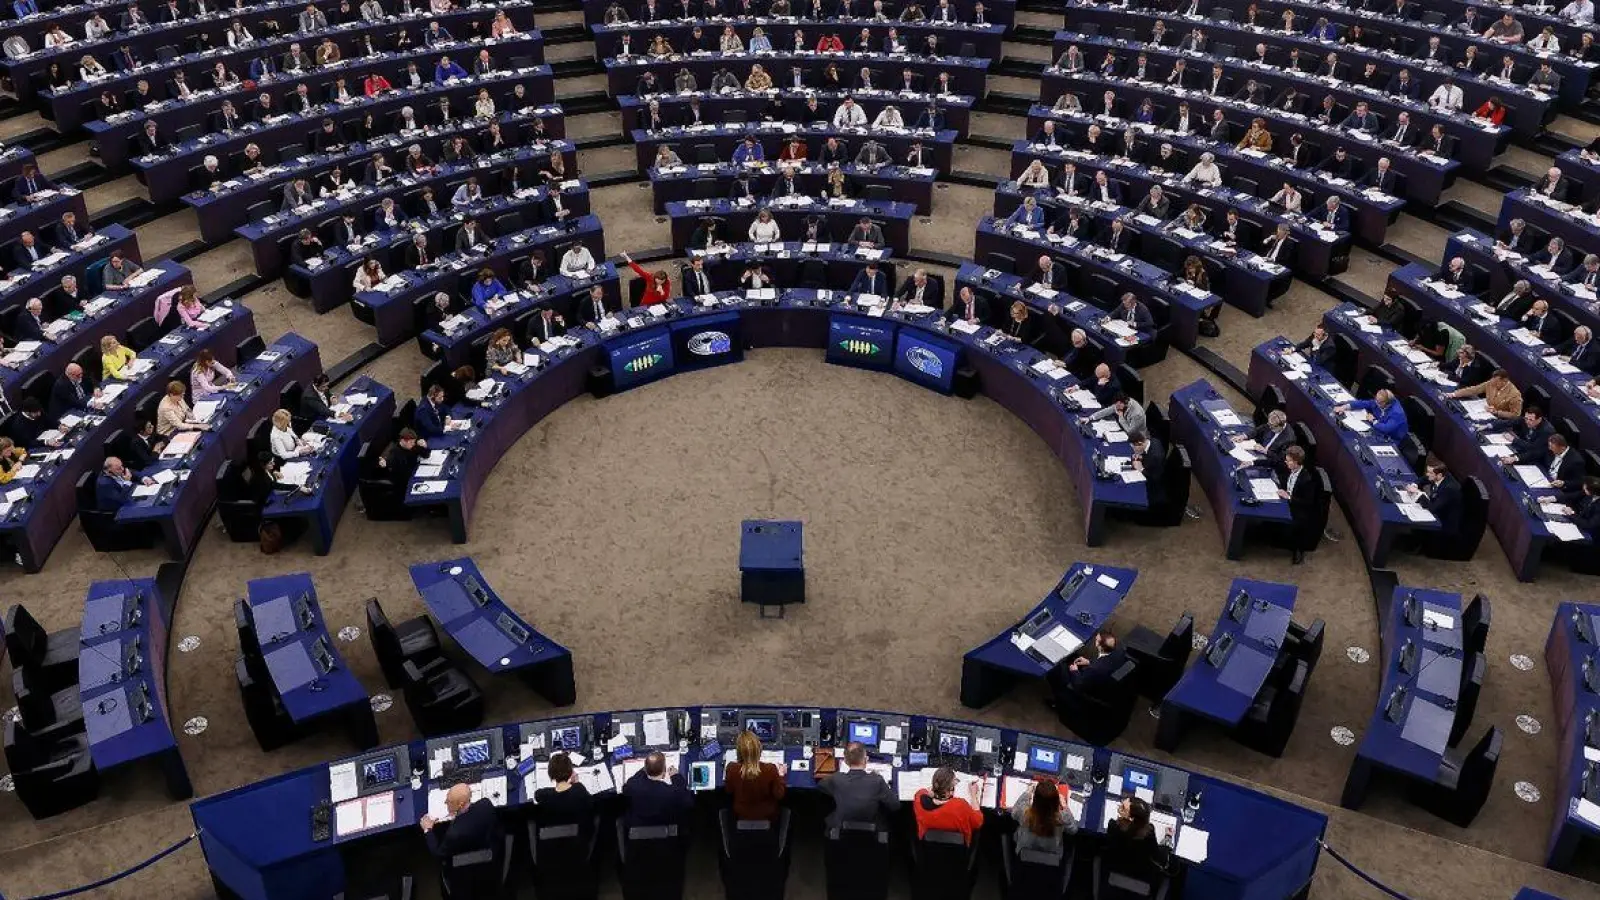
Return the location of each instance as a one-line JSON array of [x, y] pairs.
[[772, 568]]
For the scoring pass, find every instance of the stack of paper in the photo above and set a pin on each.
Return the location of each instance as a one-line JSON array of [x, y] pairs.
[[361, 814]]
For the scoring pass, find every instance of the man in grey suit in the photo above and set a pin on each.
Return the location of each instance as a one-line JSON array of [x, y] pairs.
[[858, 795]]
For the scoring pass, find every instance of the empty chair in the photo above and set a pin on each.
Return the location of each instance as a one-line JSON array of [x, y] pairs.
[[441, 697], [1002, 262], [814, 274], [1467, 700], [943, 865], [51, 657], [263, 708], [250, 348], [413, 640], [1475, 625], [754, 857], [1346, 356], [650, 861], [856, 858], [1161, 658], [143, 333], [62, 775], [478, 874], [1419, 416], [239, 512], [1413, 452], [1374, 379], [1272, 716], [1271, 398], [1131, 382], [1304, 642], [1462, 785], [1156, 422]]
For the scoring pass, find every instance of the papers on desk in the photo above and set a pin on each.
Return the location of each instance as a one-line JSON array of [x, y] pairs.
[[1243, 454], [423, 488], [1477, 409], [1532, 476], [204, 410], [1415, 512], [295, 473], [1131, 476], [180, 444], [1264, 489], [1227, 418], [1564, 531], [1561, 365], [1435, 619], [1193, 844], [1587, 811], [363, 813], [146, 490], [1525, 337], [656, 732], [1356, 422], [342, 782], [964, 326]]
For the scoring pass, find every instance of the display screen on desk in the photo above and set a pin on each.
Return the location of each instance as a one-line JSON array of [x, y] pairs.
[[928, 362], [1044, 759], [1137, 779], [864, 733], [378, 772], [707, 341], [951, 744], [568, 738], [763, 727], [472, 753], [642, 359], [855, 341]]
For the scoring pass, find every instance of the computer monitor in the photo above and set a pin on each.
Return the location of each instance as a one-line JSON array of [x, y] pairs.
[[1044, 759], [568, 737], [1137, 779], [377, 773], [763, 727], [472, 753], [954, 744], [865, 733]]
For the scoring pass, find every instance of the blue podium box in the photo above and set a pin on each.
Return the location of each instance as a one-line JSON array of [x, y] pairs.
[[772, 563]]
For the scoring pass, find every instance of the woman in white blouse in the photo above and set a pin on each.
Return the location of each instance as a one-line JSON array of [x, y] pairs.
[[730, 40], [484, 107], [89, 67], [238, 35], [764, 230], [369, 276], [889, 117], [1546, 41], [1288, 198], [1035, 176], [96, 28], [56, 37], [284, 443]]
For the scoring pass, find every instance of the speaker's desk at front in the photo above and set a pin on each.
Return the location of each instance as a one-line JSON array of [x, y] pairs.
[[259, 844]]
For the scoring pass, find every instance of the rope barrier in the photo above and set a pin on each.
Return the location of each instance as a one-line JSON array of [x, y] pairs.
[[1360, 874], [138, 867]]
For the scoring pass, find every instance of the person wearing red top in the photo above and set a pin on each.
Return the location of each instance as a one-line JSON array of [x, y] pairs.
[[657, 287], [1492, 109], [830, 43], [374, 84], [940, 810], [756, 787]]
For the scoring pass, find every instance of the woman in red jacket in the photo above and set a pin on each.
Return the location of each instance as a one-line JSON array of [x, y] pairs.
[[1492, 109], [940, 810], [657, 287]]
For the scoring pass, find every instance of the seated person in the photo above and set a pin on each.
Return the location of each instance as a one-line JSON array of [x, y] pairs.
[[937, 807], [113, 489], [755, 788]]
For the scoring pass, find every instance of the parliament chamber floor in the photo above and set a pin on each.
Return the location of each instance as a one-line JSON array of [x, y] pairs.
[[610, 523]]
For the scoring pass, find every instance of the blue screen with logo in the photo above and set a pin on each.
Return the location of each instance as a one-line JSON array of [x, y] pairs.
[[707, 341], [860, 341], [864, 733], [1044, 760], [640, 358], [927, 361]]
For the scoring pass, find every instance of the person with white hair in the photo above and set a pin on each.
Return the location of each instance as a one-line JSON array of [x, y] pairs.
[[889, 117], [1205, 171]]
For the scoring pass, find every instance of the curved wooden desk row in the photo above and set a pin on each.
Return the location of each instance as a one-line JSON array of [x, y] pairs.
[[968, 74], [985, 39], [999, 12], [680, 335], [259, 844], [1570, 657]]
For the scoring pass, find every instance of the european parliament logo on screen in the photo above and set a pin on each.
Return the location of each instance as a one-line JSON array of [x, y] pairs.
[[707, 341], [859, 341], [643, 358], [926, 360]]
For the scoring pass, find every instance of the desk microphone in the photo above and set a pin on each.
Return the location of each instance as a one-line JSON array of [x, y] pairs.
[[105, 706]]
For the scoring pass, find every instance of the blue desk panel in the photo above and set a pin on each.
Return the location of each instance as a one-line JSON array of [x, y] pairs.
[[1223, 693]]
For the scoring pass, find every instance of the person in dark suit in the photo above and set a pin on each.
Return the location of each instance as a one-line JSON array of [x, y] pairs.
[[1117, 238], [317, 402], [1440, 495], [858, 795], [1105, 190], [1554, 256], [871, 280], [432, 416], [70, 393], [1456, 274], [1543, 324], [144, 447], [400, 461], [548, 324], [113, 489], [28, 250], [1580, 350], [919, 288], [594, 307], [25, 427], [1530, 437], [1564, 467], [1136, 314], [1089, 674], [1585, 274], [968, 307], [30, 182], [1468, 369], [1300, 489], [1082, 356], [1274, 437], [473, 826], [1149, 457], [1318, 347], [656, 795], [29, 325]]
